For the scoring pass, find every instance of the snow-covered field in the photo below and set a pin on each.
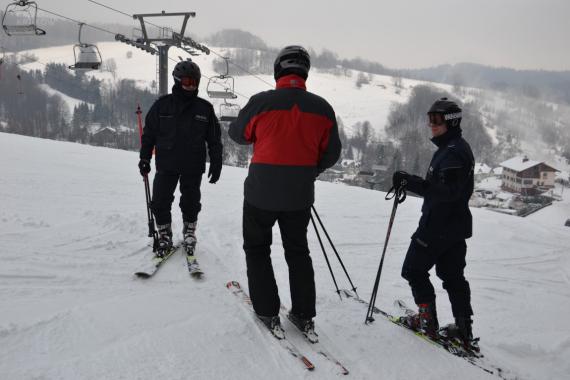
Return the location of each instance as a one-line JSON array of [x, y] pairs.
[[369, 103], [73, 230]]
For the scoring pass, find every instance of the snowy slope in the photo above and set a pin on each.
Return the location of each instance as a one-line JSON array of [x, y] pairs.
[[73, 230], [371, 102], [71, 102]]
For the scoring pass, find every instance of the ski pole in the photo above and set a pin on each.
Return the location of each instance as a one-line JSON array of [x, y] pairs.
[[150, 218], [326, 256], [399, 195], [334, 249]]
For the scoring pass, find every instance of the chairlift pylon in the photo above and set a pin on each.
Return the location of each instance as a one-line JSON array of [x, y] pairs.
[[20, 86], [20, 19], [87, 56], [223, 81], [229, 111]]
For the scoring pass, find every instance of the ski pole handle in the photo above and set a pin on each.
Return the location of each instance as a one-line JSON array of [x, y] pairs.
[[399, 193]]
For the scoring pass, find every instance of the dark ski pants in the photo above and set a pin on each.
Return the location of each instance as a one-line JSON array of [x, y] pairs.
[[163, 189], [449, 261], [257, 237]]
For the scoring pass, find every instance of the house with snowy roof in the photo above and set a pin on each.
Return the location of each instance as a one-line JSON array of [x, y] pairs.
[[527, 177], [481, 171]]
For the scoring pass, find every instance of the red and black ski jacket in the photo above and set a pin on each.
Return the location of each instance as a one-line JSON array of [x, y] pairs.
[[295, 137]]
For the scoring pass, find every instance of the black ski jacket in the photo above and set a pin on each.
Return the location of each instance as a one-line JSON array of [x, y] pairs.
[[446, 191], [179, 126]]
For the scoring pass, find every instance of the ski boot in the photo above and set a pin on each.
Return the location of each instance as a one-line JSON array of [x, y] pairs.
[[461, 332], [164, 240], [425, 320], [274, 325], [189, 235], [307, 327]]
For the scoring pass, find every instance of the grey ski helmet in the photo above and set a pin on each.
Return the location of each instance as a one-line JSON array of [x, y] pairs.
[[186, 69], [292, 59], [450, 111]]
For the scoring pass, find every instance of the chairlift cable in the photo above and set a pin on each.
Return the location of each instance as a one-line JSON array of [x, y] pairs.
[[215, 53], [108, 31], [76, 21]]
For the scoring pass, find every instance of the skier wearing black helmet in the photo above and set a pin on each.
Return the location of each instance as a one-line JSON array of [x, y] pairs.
[[295, 138], [179, 127], [444, 225]]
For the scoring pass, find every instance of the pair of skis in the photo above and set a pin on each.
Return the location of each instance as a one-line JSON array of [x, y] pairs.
[[150, 268], [235, 288], [455, 348]]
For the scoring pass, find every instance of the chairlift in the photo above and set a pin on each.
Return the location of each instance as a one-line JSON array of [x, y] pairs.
[[223, 81], [20, 19], [229, 111], [87, 56]]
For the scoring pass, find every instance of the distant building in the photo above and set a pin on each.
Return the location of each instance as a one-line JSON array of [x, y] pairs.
[[481, 171], [105, 136], [527, 177]]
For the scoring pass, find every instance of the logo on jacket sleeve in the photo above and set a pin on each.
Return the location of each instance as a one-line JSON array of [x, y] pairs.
[[201, 118]]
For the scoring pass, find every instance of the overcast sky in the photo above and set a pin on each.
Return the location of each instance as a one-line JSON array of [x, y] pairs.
[[523, 34]]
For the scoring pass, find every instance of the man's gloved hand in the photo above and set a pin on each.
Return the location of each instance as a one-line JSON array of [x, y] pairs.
[[144, 166], [214, 172], [399, 179]]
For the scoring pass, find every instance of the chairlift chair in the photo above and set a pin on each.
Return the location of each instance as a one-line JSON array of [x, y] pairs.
[[20, 19], [87, 56], [221, 86], [229, 112]]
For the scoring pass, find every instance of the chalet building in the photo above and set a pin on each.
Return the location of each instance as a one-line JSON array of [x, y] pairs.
[[527, 177]]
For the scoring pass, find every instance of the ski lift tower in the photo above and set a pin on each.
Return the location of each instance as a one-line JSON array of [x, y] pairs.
[[163, 42]]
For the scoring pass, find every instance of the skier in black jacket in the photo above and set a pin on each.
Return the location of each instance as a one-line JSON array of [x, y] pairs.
[[178, 127], [295, 138], [444, 225]]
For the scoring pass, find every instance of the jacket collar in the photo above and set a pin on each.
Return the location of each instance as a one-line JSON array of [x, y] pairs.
[[444, 139], [291, 81]]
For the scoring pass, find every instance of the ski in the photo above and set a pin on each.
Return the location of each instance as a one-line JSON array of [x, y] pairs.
[[191, 262], [194, 267], [235, 288], [448, 345], [350, 295], [318, 347], [154, 264]]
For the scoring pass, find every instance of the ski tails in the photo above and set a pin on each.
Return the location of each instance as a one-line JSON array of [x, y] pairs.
[[235, 288], [317, 346]]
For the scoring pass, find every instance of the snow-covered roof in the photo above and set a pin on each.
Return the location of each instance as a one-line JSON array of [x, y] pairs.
[[498, 170], [521, 163], [482, 168]]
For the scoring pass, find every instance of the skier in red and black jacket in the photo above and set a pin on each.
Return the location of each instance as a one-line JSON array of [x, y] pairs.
[[295, 138]]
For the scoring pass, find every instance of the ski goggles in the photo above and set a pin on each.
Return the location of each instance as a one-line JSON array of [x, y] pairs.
[[187, 81], [436, 119], [442, 119]]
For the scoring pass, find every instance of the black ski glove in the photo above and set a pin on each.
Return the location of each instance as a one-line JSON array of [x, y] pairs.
[[400, 179], [144, 166], [214, 172]]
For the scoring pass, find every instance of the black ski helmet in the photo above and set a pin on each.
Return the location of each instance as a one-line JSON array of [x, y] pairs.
[[186, 68], [292, 59], [449, 109]]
